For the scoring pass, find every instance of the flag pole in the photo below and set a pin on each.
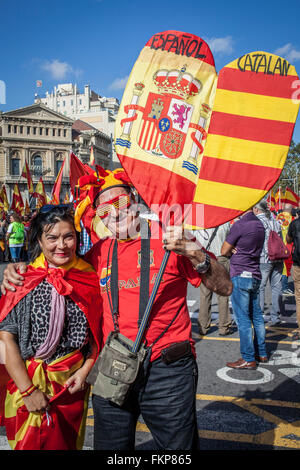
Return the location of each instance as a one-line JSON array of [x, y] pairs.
[[145, 319]]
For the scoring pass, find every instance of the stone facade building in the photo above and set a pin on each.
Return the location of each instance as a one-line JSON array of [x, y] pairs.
[[44, 138], [84, 137]]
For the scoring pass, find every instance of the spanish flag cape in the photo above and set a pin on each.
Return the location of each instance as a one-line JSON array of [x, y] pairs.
[[77, 279], [64, 427]]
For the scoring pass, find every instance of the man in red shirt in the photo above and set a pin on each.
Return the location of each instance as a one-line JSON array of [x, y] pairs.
[[165, 394]]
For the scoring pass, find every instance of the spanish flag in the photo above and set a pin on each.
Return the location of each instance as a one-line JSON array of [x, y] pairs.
[[279, 196], [163, 119], [40, 194], [26, 174], [291, 198], [3, 198], [271, 200], [17, 203], [65, 427], [57, 185]]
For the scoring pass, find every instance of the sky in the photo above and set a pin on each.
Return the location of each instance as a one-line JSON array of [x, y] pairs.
[[97, 42]]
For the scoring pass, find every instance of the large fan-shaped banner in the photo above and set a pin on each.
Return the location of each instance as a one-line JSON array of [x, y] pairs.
[[213, 144], [163, 117], [249, 135]]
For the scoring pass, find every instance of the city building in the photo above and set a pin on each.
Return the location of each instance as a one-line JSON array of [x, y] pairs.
[[90, 107], [44, 138], [39, 135], [85, 137]]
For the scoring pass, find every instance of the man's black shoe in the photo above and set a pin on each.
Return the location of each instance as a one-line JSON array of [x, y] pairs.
[[227, 332]]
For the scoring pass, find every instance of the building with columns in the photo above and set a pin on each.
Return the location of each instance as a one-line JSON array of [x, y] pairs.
[[44, 138]]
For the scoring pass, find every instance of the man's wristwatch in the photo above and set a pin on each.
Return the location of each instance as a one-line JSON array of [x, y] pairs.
[[203, 267]]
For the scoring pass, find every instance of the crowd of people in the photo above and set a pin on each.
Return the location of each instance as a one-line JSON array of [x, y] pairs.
[[63, 314], [14, 237], [243, 245]]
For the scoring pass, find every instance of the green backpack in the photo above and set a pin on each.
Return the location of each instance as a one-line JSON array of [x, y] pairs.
[[18, 230]]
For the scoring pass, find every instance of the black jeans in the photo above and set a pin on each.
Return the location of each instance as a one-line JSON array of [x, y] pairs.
[[167, 401]]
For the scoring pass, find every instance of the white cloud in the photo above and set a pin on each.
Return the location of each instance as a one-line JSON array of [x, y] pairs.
[[288, 52], [59, 70], [221, 45], [119, 83]]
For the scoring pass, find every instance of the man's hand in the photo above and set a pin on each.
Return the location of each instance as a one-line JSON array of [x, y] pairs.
[[12, 276], [181, 242]]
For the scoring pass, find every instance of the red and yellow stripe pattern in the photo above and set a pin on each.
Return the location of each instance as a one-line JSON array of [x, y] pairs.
[[248, 139], [64, 426]]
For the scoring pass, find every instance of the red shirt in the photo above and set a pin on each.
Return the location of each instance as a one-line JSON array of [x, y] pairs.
[[170, 297]]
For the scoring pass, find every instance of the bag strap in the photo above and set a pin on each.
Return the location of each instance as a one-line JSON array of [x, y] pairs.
[[211, 238], [145, 268], [144, 277]]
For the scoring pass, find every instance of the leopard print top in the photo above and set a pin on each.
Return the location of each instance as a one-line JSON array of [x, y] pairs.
[[29, 320]]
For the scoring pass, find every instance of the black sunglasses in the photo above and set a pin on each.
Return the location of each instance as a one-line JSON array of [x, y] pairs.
[[49, 207]]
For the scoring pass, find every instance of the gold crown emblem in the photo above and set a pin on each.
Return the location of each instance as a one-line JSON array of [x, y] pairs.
[[177, 82]]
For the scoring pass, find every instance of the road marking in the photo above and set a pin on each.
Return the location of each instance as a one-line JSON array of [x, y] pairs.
[[4, 445], [267, 376], [284, 434], [291, 373]]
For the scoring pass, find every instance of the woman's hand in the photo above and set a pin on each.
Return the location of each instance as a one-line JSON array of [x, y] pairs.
[[37, 402], [77, 382]]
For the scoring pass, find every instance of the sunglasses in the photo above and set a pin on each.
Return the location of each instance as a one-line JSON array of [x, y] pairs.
[[49, 207], [120, 202]]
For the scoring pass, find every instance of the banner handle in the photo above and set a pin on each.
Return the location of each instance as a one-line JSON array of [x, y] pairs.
[[145, 318]]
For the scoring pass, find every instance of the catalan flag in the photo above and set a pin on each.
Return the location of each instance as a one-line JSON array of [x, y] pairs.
[[291, 198], [17, 203], [248, 138], [27, 210], [26, 174], [67, 198], [3, 198], [40, 194]]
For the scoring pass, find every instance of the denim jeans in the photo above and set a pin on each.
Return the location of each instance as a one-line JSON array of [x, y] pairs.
[[285, 282], [273, 272], [15, 253], [166, 399], [248, 316]]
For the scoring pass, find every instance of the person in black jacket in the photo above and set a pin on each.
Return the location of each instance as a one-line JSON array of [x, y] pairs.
[[293, 236]]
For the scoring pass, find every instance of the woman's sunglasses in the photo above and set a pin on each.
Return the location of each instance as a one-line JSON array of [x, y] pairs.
[[49, 207]]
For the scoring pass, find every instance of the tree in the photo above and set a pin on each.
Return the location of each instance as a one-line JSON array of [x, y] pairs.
[[290, 175]]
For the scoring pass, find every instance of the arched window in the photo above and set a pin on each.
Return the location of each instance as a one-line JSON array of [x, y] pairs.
[[59, 158], [15, 164], [37, 165]]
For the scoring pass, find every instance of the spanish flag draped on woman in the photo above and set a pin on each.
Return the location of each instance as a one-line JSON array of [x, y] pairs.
[[61, 425]]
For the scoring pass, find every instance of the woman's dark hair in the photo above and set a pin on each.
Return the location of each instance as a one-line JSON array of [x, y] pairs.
[[49, 218], [16, 217]]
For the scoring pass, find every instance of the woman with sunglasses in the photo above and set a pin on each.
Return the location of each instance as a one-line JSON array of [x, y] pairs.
[[50, 328]]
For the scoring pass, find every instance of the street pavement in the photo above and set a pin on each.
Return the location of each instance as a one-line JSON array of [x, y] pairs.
[[237, 409]]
